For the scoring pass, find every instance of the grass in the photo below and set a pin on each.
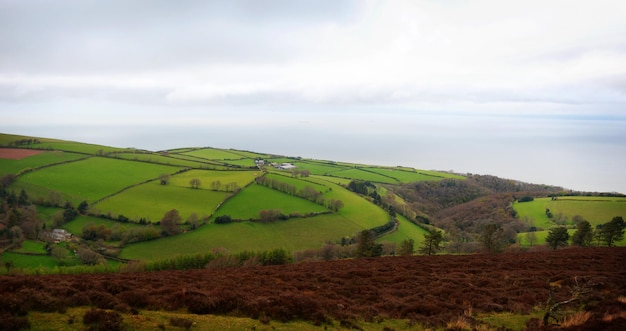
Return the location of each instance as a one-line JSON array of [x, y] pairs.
[[89, 179], [242, 162], [70, 146], [318, 168], [152, 200], [206, 177], [160, 159], [404, 176], [250, 201], [148, 320], [50, 157], [76, 225], [299, 182], [29, 261], [540, 237], [360, 174], [596, 210], [214, 154], [32, 246], [509, 321], [406, 230]]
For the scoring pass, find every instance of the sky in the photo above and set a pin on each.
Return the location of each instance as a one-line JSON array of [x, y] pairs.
[[527, 90]]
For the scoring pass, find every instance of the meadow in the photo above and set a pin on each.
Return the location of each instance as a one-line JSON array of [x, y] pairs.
[[152, 200], [160, 159], [404, 176], [596, 210], [206, 177], [8, 166], [319, 168], [76, 225], [214, 154], [356, 173], [250, 201], [90, 179]]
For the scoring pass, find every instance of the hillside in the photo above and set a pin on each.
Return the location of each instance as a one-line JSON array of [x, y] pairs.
[[124, 204], [485, 292]]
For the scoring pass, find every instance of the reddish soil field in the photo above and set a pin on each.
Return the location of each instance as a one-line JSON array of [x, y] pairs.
[[17, 153], [431, 290]]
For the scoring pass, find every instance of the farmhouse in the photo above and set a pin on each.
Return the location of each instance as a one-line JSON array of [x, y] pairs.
[[285, 166], [60, 235]]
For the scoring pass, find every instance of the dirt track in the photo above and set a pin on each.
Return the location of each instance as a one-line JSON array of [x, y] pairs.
[[430, 290]]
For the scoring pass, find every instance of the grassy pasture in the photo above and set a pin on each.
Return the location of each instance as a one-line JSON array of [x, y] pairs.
[[76, 225], [50, 157], [299, 183], [248, 154], [32, 246], [251, 200], [203, 163], [242, 178], [359, 174], [214, 154], [152, 200], [317, 168], [29, 261], [5, 139], [70, 146], [596, 210], [404, 176], [89, 179], [406, 230], [157, 158], [294, 234], [242, 162]]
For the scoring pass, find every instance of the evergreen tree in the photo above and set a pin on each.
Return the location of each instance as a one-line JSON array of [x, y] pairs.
[[612, 231], [407, 247], [432, 243], [557, 237], [583, 235]]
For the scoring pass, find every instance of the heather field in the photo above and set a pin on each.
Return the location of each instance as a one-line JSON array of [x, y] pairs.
[[483, 292]]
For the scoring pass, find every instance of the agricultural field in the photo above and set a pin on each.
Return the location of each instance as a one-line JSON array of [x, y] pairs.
[[596, 210], [160, 159], [9, 166], [299, 183], [356, 173], [404, 176], [406, 230], [318, 168], [479, 292], [250, 201], [32, 247], [76, 225], [90, 179], [214, 154], [242, 163], [207, 177], [29, 261], [293, 234], [152, 200]]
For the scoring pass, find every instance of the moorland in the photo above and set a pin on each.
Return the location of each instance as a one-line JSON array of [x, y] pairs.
[[78, 208]]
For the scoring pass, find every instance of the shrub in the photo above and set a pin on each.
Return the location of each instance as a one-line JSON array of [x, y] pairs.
[[9, 322], [98, 319]]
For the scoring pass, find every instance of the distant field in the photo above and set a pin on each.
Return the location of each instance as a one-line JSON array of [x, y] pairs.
[[294, 234], [406, 230], [214, 154], [152, 200], [596, 210], [29, 261], [206, 177], [70, 146], [299, 183], [404, 176], [31, 246], [365, 176], [250, 201], [318, 168], [157, 158], [90, 179], [8, 166], [76, 226], [242, 162]]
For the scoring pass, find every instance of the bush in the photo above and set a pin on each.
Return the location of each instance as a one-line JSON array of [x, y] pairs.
[[9, 322], [98, 319], [526, 199]]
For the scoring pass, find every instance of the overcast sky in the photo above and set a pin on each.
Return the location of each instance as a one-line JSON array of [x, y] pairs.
[[475, 79]]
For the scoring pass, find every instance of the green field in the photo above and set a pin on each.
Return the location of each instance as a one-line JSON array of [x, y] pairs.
[[299, 183], [317, 168], [152, 200], [249, 202], [214, 154], [89, 179], [206, 177], [596, 210], [33, 247], [70, 146], [406, 230], [161, 159], [49, 157], [29, 261], [75, 226], [359, 174], [404, 176], [242, 162]]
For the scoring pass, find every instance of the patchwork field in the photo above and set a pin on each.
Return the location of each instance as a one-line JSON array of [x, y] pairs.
[[207, 177], [90, 179], [33, 159], [152, 200], [596, 210]]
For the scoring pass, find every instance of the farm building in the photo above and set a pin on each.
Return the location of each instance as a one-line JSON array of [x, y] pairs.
[[60, 235], [285, 166]]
